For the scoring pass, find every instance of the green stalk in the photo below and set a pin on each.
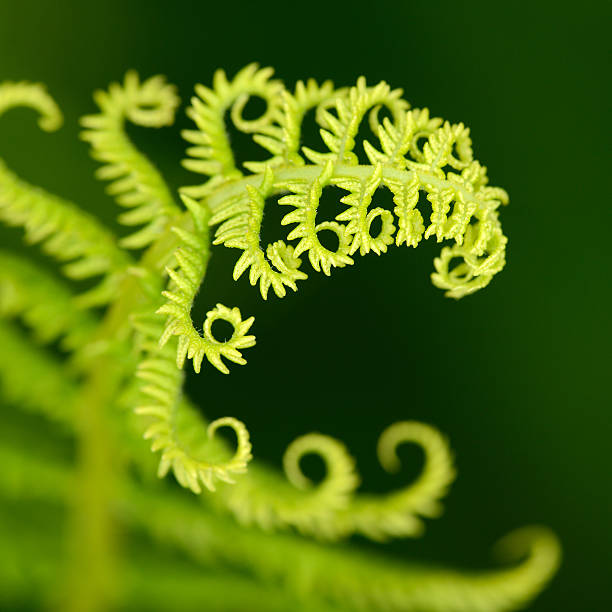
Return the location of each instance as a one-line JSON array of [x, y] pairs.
[[92, 565]]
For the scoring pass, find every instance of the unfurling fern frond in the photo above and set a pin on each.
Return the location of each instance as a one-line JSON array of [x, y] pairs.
[[212, 154], [64, 231], [128, 383], [186, 442], [415, 155], [192, 259], [177, 431], [136, 184], [242, 230], [331, 509]]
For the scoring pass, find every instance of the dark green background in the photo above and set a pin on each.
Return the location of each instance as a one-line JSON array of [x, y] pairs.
[[517, 375]]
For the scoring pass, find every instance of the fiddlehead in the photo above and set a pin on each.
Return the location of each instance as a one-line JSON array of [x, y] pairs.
[[34, 96], [332, 508], [186, 443], [64, 231], [136, 184], [283, 140], [401, 164], [463, 207], [397, 514], [192, 259], [173, 425], [212, 154], [271, 501], [279, 265]]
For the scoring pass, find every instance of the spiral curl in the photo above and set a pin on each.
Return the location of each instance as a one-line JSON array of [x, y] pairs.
[[415, 154], [186, 443], [191, 262], [333, 508], [136, 183], [78, 240]]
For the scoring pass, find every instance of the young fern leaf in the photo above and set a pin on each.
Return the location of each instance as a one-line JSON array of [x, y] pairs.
[[283, 141], [305, 199], [192, 259], [415, 154], [360, 218], [212, 154], [136, 184], [175, 428], [397, 514], [332, 509], [149, 334], [266, 499], [366, 581], [339, 130], [64, 231], [279, 265]]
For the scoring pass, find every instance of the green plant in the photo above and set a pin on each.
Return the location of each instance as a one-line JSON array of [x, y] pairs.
[[112, 370]]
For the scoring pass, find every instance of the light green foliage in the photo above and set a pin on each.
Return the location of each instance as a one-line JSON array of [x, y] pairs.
[[64, 231], [414, 154], [135, 183], [192, 258], [113, 376]]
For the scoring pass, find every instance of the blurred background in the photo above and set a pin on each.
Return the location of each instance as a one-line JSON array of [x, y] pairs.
[[518, 375]]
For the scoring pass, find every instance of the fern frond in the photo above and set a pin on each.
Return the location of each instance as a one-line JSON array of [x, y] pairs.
[[397, 514], [242, 231], [136, 183], [331, 509], [186, 443], [34, 96], [192, 259], [267, 499], [481, 255], [283, 141], [212, 154], [364, 581], [339, 130], [415, 154], [153, 577], [368, 581], [64, 231], [175, 428], [305, 200], [410, 221], [360, 218], [147, 334], [395, 141], [43, 303]]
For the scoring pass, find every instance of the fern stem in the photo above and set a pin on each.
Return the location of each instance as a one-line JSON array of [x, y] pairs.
[[92, 564], [310, 172], [91, 571]]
